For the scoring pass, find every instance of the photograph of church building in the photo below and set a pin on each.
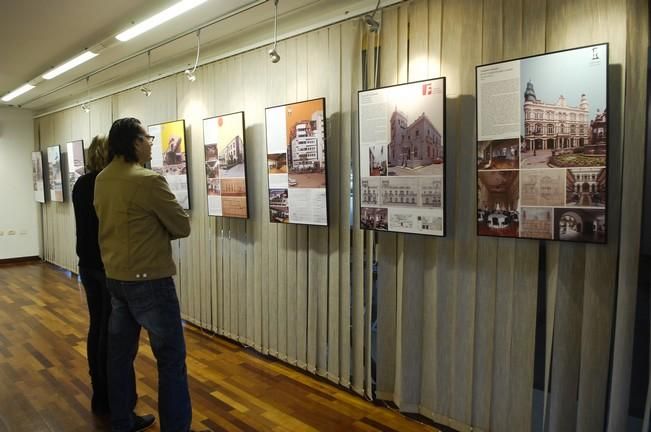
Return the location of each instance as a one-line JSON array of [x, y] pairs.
[[413, 146]]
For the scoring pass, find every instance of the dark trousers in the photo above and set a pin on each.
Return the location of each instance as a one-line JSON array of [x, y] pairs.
[[99, 309], [154, 306]]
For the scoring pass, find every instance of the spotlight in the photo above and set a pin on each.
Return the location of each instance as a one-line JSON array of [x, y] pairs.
[[85, 107], [145, 90], [372, 23], [190, 75], [274, 56]]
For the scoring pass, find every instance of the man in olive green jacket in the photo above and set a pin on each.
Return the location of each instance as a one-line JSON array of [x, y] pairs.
[[138, 216]]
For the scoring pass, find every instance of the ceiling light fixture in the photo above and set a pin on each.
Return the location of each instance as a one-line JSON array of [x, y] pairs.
[[273, 54], [371, 22], [82, 58], [189, 74], [14, 94], [158, 19], [145, 89]]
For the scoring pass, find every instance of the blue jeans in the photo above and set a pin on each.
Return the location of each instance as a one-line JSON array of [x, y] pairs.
[[154, 306]]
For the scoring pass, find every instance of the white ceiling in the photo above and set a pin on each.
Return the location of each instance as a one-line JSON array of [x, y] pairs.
[[36, 35]]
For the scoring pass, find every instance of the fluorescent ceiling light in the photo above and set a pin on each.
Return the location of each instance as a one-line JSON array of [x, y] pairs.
[[158, 19], [87, 55], [20, 90]]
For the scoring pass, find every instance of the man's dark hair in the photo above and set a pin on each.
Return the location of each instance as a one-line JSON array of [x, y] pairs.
[[121, 139]]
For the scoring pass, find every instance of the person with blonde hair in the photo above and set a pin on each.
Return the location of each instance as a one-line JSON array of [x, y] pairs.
[[91, 272]]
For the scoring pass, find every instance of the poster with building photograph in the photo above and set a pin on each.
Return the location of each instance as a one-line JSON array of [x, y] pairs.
[[54, 176], [76, 162], [296, 163], [402, 158], [542, 146], [37, 177], [225, 163], [168, 158]]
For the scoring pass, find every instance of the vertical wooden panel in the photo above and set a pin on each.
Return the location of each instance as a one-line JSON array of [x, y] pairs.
[[335, 179], [386, 246], [637, 34]]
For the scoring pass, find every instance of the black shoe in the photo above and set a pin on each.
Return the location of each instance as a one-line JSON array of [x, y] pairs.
[[141, 423]]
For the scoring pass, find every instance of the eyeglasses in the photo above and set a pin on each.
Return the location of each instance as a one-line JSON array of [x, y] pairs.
[[149, 138]]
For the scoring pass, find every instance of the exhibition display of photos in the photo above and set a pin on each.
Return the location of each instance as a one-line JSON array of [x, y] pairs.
[[296, 163], [54, 176], [76, 161], [37, 177], [225, 163], [542, 146], [402, 158], [168, 158]]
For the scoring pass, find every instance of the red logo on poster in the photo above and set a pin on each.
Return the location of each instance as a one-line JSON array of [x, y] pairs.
[[220, 121], [427, 89]]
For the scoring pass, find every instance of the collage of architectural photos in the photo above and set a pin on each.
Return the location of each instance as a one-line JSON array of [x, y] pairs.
[[37, 177], [296, 163], [542, 146], [401, 153], [225, 163], [54, 176], [168, 158], [76, 162]]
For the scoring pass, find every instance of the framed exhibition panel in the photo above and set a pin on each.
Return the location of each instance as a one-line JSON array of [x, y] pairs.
[[168, 157], [542, 146], [76, 161], [225, 163], [37, 177], [296, 163], [402, 158], [55, 180]]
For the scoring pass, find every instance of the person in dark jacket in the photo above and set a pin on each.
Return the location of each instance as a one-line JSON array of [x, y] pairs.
[[91, 272]]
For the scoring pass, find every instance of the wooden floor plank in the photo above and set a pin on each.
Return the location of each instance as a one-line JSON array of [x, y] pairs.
[[44, 383]]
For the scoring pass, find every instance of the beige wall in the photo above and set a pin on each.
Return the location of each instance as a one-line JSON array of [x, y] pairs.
[[19, 227], [456, 316]]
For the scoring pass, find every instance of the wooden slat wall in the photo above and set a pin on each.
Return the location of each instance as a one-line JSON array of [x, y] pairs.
[[466, 358], [456, 326]]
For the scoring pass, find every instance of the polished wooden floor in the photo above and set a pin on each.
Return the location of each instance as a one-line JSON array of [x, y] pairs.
[[44, 383]]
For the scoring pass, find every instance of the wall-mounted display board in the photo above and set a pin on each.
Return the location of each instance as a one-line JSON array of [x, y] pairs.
[[76, 161], [225, 161], [542, 146], [37, 177], [55, 180], [168, 157], [402, 158], [296, 163]]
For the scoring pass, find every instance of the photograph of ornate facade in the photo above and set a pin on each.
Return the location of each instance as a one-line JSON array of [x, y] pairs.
[[415, 146], [586, 187], [562, 135]]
